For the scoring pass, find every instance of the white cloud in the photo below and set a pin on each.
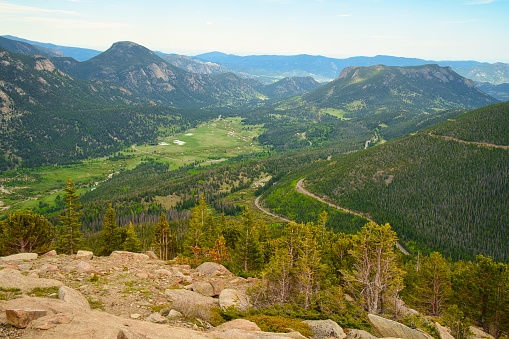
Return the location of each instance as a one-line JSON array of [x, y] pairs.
[[345, 15], [479, 2], [12, 8], [77, 24]]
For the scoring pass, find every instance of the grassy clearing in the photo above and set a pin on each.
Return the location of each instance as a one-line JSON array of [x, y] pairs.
[[339, 113], [209, 143]]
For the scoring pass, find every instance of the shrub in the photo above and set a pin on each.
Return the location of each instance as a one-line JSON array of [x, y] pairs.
[[279, 324]]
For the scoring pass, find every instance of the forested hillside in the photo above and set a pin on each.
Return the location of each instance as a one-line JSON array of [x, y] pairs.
[[439, 193]]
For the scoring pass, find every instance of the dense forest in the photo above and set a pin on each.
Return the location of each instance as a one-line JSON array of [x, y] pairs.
[[438, 193]]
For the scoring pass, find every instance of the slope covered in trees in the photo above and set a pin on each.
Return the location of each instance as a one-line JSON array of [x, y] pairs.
[[438, 193]]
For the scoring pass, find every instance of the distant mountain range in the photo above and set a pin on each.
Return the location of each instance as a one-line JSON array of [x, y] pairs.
[[270, 68], [361, 91], [58, 109]]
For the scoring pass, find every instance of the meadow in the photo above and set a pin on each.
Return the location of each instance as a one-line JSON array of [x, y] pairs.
[[208, 143]]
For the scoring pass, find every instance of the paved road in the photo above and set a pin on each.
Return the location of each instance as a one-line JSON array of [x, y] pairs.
[[301, 189], [257, 204]]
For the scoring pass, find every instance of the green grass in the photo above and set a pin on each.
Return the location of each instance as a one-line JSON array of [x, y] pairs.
[[209, 143], [339, 113]]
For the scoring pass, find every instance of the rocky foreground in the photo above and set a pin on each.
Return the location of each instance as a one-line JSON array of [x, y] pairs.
[[133, 296]]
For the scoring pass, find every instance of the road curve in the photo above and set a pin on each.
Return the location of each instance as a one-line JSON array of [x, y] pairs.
[[300, 188], [257, 204]]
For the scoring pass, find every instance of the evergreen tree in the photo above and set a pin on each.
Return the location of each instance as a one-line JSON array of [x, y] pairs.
[[132, 242], [482, 293], [248, 250], [163, 242], [201, 234], [26, 231], [308, 266], [110, 237], [70, 237], [433, 284], [376, 275]]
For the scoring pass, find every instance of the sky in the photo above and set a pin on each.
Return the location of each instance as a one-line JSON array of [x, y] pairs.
[[427, 29]]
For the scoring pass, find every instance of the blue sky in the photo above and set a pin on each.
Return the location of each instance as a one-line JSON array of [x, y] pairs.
[[428, 29]]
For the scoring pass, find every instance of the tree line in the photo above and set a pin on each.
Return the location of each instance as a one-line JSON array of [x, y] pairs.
[[305, 269]]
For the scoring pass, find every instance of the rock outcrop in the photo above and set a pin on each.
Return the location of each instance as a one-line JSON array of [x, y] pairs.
[[20, 257], [14, 279], [443, 332], [388, 328], [325, 329], [212, 268], [233, 298]]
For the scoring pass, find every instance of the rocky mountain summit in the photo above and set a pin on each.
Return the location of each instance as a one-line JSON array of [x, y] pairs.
[[133, 295]]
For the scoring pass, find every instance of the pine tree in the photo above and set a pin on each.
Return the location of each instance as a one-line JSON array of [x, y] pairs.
[[248, 250], [132, 242], [308, 266], [70, 237], [110, 237], [376, 275], [201, 234], [26, 231], [163, 240], [433, 283]]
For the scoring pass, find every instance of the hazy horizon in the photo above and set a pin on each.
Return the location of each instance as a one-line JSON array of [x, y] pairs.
[[431, 30]]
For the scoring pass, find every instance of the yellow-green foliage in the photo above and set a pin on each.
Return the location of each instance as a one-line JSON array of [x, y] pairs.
[[278, 324]]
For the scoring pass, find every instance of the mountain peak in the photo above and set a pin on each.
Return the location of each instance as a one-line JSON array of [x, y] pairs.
[[127, 52]]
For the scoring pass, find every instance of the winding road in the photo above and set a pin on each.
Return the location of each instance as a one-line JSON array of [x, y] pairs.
[[300, 188]]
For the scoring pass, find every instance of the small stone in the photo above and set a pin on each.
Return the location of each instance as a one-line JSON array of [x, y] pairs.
[[174, 314], [51, 253], [25, 267], [126, 334], [151, 255], [21, 318], [157, 318], [49, 268], [162, 272], [142, 275], [85, 267], [136, 316]]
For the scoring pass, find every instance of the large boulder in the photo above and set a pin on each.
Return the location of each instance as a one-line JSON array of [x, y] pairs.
[[443, 332], [233, 298], [191, 304], [20, 318], [389, 328], [13, 279], [64, 320], [73, 297], [84, 255], [20, 257], [212, 268], [478, 333], [204, 288], [325, 329]]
